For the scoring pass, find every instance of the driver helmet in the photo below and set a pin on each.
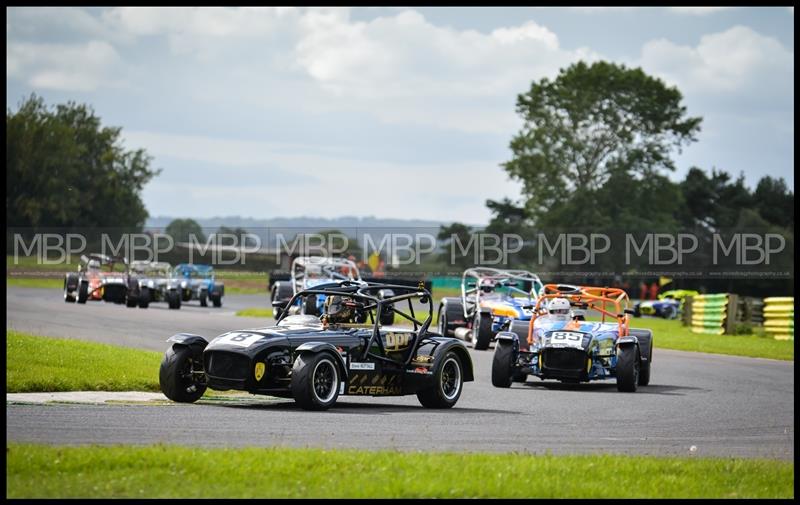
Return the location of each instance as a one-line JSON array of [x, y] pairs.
[[339, 309], [487, 285], [559, 307]]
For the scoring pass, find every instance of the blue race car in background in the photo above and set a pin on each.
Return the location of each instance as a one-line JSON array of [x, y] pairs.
[[492, 300], [198, 282], [564, 347]]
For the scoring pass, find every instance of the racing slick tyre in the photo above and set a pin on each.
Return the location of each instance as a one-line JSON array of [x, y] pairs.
[[315, 381], [501, 364], [83, 292], [441, 321], [174, 299], [670, 313], [387, 316], [216, 299], [637, 312], [628, 368], [144, 298], [175, 375], [448, 380], [450, 309], [131, 302], [644, 369], [203, 297], [521, 329], [481, 332], [310, 305], [69, 296]]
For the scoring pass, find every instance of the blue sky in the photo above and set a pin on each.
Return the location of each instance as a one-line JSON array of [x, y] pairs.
[[400, 112]]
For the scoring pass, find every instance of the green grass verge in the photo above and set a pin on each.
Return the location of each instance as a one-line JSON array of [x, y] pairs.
[[35, 363], [35, 282], [670, 334], [255, 312], [38, 471]]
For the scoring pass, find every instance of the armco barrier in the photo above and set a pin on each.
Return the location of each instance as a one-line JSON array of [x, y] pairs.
[[709, 313], [779, 317]]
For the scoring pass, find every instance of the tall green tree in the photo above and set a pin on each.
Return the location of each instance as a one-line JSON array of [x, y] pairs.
[[64, 169], [181, 230], [458, 253], [589, 125]]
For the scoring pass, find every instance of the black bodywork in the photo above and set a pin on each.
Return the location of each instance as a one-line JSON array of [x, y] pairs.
[[373, 360]]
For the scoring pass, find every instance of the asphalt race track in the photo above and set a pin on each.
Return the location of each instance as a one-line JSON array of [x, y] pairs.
[[721, 405]]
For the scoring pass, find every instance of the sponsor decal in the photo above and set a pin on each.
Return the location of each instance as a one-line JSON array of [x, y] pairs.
[[397, 341], [260, 369], [374, 390], [422, 359], [362, 366], [420, 369]]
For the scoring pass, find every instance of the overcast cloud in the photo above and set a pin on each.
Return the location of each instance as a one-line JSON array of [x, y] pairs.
[[266, 112]]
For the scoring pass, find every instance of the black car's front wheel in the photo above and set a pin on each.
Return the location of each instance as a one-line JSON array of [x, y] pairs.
[[177, 376], [315, 381], [448, 381], [627, 368]]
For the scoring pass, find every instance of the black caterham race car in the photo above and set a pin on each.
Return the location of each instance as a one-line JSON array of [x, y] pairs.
[[314, 359]]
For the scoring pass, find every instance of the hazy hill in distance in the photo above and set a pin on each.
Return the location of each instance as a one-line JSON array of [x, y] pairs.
[[160, 222]]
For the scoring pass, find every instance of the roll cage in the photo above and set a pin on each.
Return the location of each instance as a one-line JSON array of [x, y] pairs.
[[326, 268], [472, 278], [102, 260], [367, 294], [586, 297]]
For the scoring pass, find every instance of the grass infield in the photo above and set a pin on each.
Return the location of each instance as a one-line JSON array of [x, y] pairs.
[[35, 364], [160, 471]]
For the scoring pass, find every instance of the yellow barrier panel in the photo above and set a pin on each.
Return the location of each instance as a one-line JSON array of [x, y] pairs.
[[779, 317], [709, 313]]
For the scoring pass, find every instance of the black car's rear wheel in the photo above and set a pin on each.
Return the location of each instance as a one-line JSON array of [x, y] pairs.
[[448, 382], [176, 376], [203, 297], [627, 368], [481, 332], [315, 381]]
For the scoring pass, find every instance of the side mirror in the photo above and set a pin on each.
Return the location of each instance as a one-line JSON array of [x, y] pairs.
[[281, 304]]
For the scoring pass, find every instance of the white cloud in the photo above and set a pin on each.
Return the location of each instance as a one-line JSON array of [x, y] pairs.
[[419, 190], [203, 32], [68, 67], [405, 69], [699, 11], [733, 61]]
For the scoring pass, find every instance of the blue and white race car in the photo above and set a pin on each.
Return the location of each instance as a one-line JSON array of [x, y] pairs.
[[492, 300], [564, 346], [311, 271], [198, 282]]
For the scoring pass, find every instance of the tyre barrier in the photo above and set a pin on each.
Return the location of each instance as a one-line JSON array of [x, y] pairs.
[[709, 313], [779, 317]]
